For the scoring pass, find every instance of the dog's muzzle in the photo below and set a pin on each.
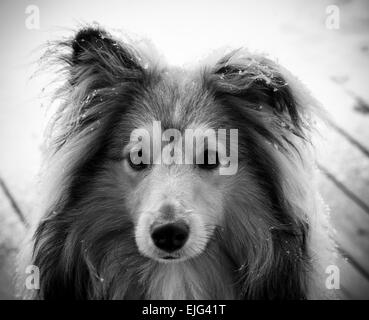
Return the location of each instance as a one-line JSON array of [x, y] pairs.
[[170, 237]]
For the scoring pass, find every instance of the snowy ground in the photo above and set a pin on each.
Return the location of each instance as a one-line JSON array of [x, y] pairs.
[[333, 63]]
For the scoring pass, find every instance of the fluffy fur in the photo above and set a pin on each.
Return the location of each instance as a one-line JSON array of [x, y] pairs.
[[266, 238]]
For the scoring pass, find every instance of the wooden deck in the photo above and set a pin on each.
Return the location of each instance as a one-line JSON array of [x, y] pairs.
[[344, 186]]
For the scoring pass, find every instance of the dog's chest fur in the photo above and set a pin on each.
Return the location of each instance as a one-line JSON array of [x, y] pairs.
[[172, 282], [188, 281]]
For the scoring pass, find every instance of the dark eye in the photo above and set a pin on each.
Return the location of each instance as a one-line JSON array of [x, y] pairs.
[[211, 160], [139, 166]]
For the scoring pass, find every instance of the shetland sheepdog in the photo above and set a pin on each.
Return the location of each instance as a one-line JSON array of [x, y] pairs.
[[112, 227]]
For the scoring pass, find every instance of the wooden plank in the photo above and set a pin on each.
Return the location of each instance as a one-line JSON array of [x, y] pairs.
[[345, 161], [342, 107], [350, 222], [353, 76], [13, 202], [352, 283], [11, 231]]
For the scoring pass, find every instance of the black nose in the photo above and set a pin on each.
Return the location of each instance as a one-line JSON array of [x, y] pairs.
[[171, 236]]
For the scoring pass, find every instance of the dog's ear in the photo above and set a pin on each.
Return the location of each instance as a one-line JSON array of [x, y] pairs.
[[97, 56], [97, 74], [259, 85]]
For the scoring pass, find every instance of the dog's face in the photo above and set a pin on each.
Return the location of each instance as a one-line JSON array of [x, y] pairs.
[[156, 166], [175, 206]]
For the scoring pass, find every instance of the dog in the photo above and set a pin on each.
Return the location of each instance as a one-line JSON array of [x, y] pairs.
[[112, 227]]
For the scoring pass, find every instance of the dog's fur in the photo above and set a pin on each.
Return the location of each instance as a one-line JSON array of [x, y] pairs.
[[261, 233]]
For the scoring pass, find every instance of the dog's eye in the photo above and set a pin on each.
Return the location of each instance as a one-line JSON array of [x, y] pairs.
[[211, 160], [137, 166]]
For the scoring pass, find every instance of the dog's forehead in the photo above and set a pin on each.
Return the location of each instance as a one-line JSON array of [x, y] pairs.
[[178, 101]]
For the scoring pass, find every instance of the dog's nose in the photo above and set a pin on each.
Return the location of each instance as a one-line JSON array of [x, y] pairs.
[[171, 236]]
